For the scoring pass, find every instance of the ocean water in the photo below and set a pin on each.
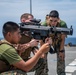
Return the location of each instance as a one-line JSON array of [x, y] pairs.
[[67, 40], [70, 40], [1, 38]]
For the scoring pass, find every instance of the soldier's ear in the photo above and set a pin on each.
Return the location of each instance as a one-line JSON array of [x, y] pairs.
[[59, 20], [23, 20], [9, 34]]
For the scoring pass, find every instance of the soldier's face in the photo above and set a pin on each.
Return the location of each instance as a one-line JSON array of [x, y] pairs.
[[53, 21], [27, 20], [15, 37]]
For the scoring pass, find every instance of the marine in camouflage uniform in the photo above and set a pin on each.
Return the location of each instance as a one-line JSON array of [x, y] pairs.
[[40, 66], [5, 67], [10, 70], [58, 40], [60, 60], [9, 56]]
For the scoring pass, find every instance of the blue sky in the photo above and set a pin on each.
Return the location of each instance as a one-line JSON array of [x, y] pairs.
[[11, 10]]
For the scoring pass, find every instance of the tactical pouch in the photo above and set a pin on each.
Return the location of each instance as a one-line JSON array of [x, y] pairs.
[[3, 66]]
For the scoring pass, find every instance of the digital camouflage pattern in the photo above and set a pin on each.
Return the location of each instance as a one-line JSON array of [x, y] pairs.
[[14, 72], [60, 63], [40, 68]]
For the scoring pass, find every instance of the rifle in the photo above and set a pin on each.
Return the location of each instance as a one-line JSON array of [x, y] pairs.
[[41, 32], [37, 31]]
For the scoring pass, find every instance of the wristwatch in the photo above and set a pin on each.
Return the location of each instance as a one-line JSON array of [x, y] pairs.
[[62, 51]]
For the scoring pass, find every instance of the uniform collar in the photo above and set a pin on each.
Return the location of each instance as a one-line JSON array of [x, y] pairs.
[[5, 41]]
